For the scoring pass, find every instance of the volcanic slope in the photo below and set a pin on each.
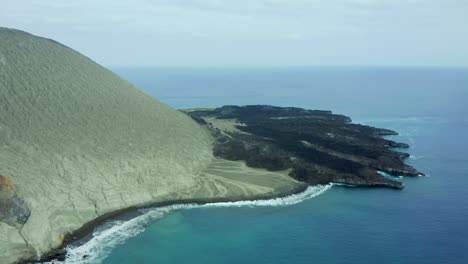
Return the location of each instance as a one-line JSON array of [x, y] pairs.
[[77, 142]]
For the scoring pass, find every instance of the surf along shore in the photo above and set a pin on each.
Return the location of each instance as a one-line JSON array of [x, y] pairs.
[[85, 233]]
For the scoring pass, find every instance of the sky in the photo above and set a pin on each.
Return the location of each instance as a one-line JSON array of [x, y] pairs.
[[211, 33]]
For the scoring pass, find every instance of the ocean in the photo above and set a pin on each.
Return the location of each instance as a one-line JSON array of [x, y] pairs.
[[426, 223]]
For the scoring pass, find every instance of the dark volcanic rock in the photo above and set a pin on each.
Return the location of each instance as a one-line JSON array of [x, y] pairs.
[[13, 210], [319, 146]]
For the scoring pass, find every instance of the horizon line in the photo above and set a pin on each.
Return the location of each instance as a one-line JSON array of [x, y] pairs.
[[238, 66]]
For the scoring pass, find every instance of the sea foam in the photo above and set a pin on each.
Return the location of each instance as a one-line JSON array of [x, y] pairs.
[[109, 236]]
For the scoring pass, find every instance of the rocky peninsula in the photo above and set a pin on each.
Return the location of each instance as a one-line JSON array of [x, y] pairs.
[[318, 146]]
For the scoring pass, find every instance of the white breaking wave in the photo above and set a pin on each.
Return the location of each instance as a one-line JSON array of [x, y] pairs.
[[115, 233], [413, 157], [409, 119]]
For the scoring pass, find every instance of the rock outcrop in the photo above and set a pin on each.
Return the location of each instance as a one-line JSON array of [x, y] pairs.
[[13, 210]]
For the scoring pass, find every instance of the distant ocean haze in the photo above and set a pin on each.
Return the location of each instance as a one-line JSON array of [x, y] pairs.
[[378, 91]]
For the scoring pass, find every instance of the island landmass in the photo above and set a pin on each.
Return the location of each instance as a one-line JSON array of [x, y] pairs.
[[82, 146]]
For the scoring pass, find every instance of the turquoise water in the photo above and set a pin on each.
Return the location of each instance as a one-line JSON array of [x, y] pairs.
[[424, 223]]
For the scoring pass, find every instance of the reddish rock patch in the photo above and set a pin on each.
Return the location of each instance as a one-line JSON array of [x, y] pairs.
[[13, 210]]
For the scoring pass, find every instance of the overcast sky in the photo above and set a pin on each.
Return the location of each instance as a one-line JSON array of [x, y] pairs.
[[251, 32]]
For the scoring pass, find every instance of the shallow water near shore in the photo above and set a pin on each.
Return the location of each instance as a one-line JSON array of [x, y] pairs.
[[424, 223], [109, 236]]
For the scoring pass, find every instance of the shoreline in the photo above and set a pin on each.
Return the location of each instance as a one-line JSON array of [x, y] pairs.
[[85, 233]]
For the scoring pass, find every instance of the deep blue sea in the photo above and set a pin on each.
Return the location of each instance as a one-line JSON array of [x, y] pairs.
[[426, 223]]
